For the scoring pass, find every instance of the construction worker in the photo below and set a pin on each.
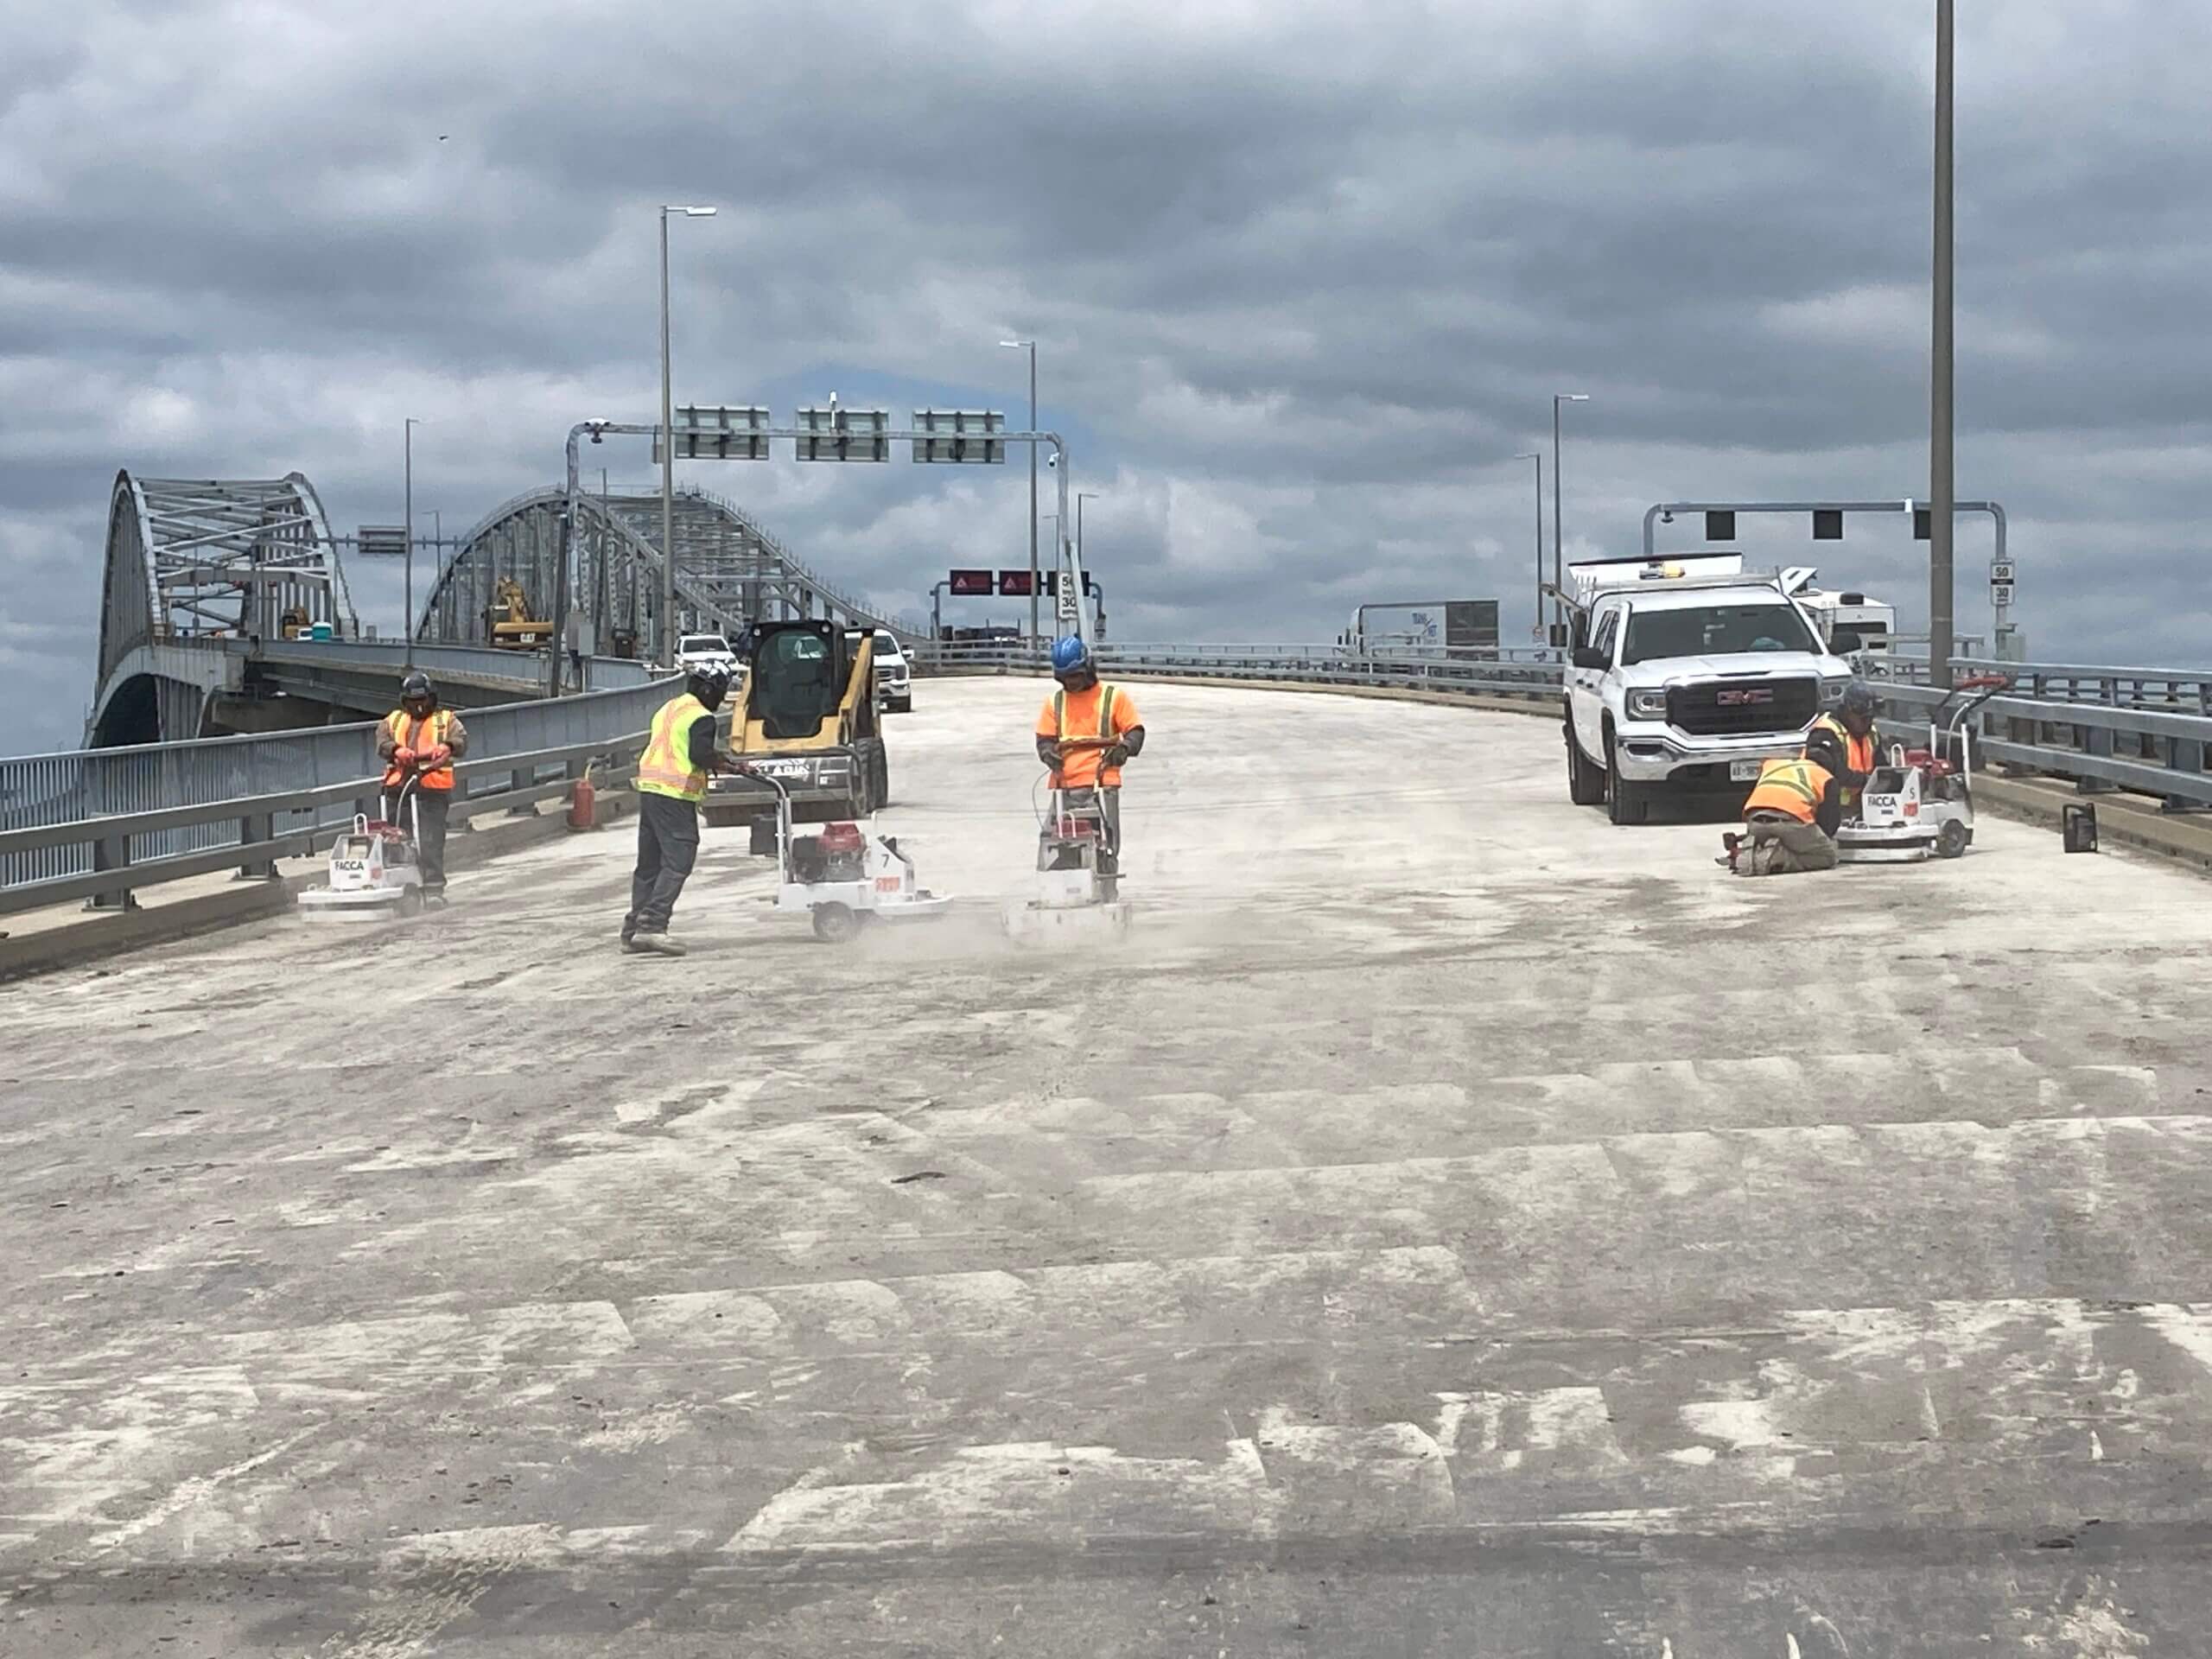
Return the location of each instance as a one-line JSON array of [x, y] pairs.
[[672, 782], [1843, 743], [421, 740], [1790, 820], [1086, 732]]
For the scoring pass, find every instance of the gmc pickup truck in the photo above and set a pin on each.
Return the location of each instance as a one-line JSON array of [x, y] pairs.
[[1685, 675]]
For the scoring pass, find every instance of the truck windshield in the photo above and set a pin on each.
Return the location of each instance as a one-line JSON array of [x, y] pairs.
[[1713, 630]]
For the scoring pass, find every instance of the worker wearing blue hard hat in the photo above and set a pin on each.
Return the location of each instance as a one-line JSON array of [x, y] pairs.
[[1086, 732]]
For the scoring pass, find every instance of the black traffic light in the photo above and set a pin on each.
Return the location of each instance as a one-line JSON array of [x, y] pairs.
[[1719, 526], [1828, 523]]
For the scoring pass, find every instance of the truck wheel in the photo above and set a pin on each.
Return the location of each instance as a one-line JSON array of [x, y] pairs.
[[1586, 782], [1951, 839], [1625, 801]]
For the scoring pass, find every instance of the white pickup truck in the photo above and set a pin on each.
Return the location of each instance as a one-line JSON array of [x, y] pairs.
[[1685, 675]]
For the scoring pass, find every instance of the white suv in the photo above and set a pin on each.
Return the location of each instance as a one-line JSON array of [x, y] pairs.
[[894, 681], [1688, 684], [705, 651]]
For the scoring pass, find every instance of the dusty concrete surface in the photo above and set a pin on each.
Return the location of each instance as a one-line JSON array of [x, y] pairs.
[[1449, 1226]]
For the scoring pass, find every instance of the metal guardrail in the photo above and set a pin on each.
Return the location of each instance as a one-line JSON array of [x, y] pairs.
[[1467, 671], [161, 810], [2141, 729]]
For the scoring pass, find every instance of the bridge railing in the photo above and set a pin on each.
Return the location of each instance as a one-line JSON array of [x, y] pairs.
[[98, 823], [1468, 670]]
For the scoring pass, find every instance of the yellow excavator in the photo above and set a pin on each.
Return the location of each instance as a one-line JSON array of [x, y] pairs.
[[509, 620]]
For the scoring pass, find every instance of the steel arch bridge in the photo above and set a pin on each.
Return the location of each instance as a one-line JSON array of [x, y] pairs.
[[730, 571], [192, 560]]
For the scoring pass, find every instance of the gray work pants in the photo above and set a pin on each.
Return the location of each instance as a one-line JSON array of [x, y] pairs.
[[1780, 845], [668, 845], [425, 815]]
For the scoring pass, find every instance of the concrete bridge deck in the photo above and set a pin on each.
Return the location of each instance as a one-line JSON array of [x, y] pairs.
[[1450, 1226]]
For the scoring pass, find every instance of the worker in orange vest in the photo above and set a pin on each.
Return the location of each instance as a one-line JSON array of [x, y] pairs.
[[1789, 821], [1843, 743], [1086, 732], [421, 740]]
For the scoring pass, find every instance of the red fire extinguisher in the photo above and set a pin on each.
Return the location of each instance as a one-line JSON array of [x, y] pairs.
[[582, 804]]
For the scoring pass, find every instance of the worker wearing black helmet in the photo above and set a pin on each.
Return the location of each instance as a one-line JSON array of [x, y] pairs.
[[672, 782], [419, 739], [1843, 743]]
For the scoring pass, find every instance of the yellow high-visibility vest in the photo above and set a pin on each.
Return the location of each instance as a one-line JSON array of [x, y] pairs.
[[1796, 787], [666, 767]]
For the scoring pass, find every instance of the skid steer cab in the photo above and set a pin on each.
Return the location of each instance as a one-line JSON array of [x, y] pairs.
[[805, 718]]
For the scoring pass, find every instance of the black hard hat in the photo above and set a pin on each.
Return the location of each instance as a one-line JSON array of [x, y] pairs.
[[416, 684], [1859, 698]]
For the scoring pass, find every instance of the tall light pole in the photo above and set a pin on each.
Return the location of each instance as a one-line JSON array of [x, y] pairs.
[[407, 621], [1941, 482], [1537, 455], [1559, 531], [667, 452], [1030, 345], [1081, 496]]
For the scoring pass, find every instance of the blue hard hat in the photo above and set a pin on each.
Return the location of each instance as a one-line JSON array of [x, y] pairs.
[[1069, 655]]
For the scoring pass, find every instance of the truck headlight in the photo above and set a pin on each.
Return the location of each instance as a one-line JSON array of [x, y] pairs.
[[1832, 692], [1647, 705]]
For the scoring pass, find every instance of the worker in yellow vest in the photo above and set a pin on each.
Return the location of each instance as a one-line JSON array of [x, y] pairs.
[[421, 740], [1789, 821], [672, 782], [1843, 742]]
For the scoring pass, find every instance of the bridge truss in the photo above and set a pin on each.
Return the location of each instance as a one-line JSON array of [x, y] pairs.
[[729, 570]]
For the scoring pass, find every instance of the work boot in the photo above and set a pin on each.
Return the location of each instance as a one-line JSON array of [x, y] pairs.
[[658, 945]]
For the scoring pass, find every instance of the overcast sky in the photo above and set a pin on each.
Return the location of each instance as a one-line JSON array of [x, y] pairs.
[[1305, 276]]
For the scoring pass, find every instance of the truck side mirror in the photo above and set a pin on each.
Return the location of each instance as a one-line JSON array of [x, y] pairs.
[[1590, 657]]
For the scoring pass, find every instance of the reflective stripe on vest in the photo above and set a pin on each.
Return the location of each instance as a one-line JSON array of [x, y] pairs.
[[407, 733], [1105, 712], [1794, 787], [1858, 752], [666, 768]]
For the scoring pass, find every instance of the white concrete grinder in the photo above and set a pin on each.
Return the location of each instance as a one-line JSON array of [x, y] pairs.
[[1920, 804], [1078, 889], [376, 870], [844, 877]]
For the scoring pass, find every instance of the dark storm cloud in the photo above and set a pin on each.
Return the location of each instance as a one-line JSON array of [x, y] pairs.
[[1305, 275]]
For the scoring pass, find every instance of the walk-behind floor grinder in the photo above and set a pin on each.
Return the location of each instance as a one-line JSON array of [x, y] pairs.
[[1078, 868]]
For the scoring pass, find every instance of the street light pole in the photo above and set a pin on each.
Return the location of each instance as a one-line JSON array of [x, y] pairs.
[[1031, 346], [1537, 455], [407, 621], [668, 450], [1942, 624], [1082, 565], [1559, 530]]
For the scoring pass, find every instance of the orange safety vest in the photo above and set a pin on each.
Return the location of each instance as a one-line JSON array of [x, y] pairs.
[[1794, 787], [409, 733], [1083, 768], [1858, 752]]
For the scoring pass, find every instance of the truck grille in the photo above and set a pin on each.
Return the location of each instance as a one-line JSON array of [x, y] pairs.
[[1741, 708]]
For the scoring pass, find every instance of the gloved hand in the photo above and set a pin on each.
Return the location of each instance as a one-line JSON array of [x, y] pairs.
[[1052, 755], [404, 757], [1118, 755]]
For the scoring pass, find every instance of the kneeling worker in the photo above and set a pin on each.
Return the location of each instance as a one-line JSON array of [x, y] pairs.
[[421, 740], [1086, 732], [672, 782], [1844, 743], [1789, 821]]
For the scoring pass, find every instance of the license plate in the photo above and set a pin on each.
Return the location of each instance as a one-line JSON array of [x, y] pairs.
[[1745, 772]]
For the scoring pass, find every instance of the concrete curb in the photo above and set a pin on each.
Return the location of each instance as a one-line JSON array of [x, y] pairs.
[[110, 933]]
